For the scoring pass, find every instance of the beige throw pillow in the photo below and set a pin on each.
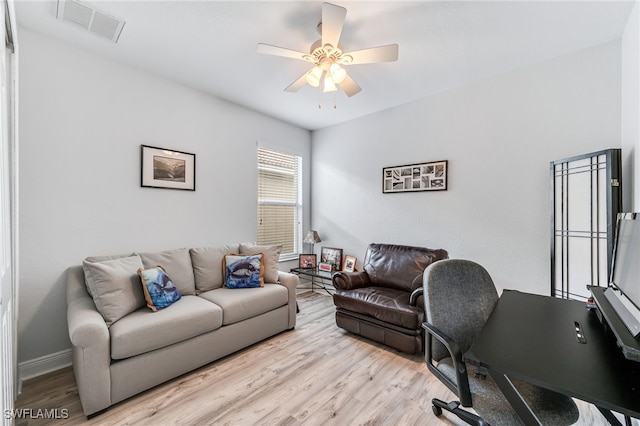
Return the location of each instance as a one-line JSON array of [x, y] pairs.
[[177, 263], [115, 286], [94, 259], [271, 259], [208, 266]]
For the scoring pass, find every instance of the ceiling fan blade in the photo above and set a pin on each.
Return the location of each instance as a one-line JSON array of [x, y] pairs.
[[268, 49], [349, 86], [332, 23], [388, 53], [296, 85]]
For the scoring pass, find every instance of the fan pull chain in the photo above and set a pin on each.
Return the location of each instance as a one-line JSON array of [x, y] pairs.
[[335, 102]]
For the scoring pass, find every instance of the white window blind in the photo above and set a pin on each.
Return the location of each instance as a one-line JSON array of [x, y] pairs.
[[280, 201]]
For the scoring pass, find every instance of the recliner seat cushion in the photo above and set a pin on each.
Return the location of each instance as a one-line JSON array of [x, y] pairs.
[[238, 304], [384, 304], [144, 330]]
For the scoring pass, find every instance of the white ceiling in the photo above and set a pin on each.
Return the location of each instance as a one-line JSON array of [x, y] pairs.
[[211, 45]]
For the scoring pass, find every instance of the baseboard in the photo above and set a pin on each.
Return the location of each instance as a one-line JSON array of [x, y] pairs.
[[43, 365]]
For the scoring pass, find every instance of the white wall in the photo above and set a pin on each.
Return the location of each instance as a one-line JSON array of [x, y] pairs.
[[83, 119], [499, 136], [631, 111]]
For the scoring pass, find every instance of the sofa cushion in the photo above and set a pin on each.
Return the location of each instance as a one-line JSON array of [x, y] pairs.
[[271, 259], [143, 331], [385, 304], [207, 266], [159, 290], [244, 271], [177, 264], [243, 303], [115, 286]]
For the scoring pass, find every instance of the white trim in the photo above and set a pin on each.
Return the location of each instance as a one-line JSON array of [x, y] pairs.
[[43, 365]]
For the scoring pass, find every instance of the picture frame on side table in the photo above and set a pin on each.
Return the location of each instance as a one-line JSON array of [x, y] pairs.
[[307, 261], [325, 267], [415, 177], [349, 264], [165, 168], [333, 256]]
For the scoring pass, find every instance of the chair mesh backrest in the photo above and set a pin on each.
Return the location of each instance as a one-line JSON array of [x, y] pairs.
[[459, 295]]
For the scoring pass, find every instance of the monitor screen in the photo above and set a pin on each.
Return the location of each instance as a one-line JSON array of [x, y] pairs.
[[625, 271]]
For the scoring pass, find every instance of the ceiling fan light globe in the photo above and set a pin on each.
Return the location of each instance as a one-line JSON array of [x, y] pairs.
[[338, 74], [313, 77], [329, 85]]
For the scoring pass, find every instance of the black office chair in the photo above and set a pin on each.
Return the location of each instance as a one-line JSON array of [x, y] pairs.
[[459, 295]]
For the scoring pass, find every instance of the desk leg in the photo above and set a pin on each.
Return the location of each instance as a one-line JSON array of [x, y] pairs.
[[524, 411], [613, 421], [515, 399]]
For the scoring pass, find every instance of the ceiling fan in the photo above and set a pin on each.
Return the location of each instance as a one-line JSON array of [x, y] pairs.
[[328, 57]]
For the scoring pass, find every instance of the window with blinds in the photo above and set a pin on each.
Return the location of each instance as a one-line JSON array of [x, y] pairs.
[[280, 200]]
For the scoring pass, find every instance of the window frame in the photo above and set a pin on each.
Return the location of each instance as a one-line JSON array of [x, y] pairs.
[[297, 203]]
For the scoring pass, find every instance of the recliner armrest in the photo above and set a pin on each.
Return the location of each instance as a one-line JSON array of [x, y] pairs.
[[461, 388], [350, 280]]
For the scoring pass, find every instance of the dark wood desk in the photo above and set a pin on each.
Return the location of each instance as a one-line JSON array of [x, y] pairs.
[[533, 338]]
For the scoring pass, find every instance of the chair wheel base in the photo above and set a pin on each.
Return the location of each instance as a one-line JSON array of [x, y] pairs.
[[454, 408], [436, 410]]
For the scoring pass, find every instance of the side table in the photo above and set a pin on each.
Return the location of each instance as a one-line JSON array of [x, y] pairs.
[[314, 273]]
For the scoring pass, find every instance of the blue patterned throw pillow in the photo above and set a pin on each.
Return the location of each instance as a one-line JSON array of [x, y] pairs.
[[159, 290], [244, 271]]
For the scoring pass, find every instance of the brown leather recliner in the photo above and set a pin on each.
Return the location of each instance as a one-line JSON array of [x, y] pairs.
[[379, 303]]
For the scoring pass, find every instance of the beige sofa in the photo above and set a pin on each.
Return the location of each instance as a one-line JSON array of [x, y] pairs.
[[121, 347]]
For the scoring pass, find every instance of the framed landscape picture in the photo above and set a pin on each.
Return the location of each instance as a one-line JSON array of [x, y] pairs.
[[164, 168], [415, 177]]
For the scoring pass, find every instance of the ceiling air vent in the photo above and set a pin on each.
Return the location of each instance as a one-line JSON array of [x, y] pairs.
[[90, 18]]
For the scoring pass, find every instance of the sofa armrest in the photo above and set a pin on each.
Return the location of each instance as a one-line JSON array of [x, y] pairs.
[[90, 345], [291, 282], [86, 326], [350, 280]]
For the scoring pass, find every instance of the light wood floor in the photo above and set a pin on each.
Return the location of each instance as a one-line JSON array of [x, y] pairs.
[[316, 374]]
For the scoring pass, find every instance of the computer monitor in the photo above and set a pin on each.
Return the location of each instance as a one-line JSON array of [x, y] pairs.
[[625, 267], [624, 291]]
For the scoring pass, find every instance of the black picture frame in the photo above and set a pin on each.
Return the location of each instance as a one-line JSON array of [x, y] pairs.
[[307, 261], [167, 169], [430, 176], [333, 256]]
